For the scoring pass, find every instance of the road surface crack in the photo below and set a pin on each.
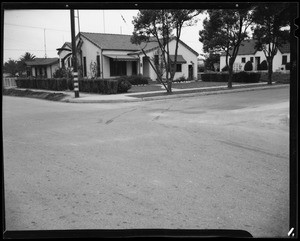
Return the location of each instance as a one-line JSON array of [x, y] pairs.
[[112, 119], [255, 149]]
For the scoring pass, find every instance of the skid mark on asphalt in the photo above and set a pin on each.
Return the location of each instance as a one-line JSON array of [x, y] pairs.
[[112, 119], [255, 149], [163, 111]]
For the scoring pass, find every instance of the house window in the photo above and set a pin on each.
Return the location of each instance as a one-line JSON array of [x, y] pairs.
[[117, 68], [84, 66], [251, 59], [98, 65], [284, 59], [134, 67], [178, 67], [243, 60]]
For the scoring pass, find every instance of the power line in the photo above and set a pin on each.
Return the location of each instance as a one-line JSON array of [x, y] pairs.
[[24, 26], [28, 50]]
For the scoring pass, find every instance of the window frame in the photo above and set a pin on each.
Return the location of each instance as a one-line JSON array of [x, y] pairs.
[[284, 59], [178, 68], [84, 67], [117, 68]]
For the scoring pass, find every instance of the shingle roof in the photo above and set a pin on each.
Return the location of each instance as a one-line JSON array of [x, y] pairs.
[[121, 42], [284, 48], [42, 61], [111, 41], [247, 47], [68, 44]]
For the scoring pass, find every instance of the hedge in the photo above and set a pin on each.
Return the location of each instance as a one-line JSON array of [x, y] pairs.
[[104, 86], [241, 77], [136, 79], [58, 84]]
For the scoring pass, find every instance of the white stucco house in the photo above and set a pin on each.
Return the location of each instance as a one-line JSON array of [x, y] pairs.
[[247, 52], [42, 67], [112, 55], [65, 55]]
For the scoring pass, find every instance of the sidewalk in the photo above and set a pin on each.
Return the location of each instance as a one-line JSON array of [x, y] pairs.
[[161, 94], [69, 96]]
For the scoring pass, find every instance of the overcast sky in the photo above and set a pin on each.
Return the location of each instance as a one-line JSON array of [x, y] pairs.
[[34, 30]]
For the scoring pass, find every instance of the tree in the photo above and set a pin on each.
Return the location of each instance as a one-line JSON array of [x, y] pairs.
[[270, 20], [21, 63], [224, 30], [213, 58], [11, 67], [158, 26], [27, 57]]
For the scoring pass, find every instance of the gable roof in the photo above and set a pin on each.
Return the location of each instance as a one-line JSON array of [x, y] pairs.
[[110, 41], [42, 61], [284, 48], [66, 46], [247, 47], [122, 42]]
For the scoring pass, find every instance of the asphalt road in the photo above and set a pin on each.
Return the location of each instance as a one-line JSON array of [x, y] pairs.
[[207, 162]]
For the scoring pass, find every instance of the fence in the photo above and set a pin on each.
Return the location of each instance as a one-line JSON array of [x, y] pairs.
[[9, 82]]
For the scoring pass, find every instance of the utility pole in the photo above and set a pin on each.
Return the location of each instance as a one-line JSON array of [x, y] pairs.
[[45, 43], [78, 21], [103, 21], [74, 56]]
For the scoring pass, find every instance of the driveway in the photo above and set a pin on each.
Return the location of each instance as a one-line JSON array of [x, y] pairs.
[[207, 162]]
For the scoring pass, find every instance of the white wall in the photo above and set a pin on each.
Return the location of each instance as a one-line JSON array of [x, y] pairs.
[[189, 56], [51, 69], [90, 51], [61, 55], [277, 61]]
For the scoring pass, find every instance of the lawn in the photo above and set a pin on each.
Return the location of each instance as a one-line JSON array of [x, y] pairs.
[[154, 86], [184, 85]]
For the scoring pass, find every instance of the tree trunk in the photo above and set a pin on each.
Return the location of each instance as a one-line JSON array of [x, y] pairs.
[[270, 70], [230, 71], [169, 85]]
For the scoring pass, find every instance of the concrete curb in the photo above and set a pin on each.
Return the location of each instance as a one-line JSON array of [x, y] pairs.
[[173, 96]]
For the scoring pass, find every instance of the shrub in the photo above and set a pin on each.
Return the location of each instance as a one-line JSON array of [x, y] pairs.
[[248, 66], [263, 65], [288, 66], [180, 79], [62, 73], [243, 77], [104, 86], [215, 77], [123, 85], [201, 68], [137, 79]]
